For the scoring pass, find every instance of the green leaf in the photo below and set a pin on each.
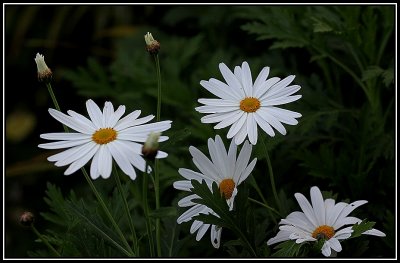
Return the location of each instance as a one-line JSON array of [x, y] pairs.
[[288, 249], [361, 227], [321, 26], [163, 212]]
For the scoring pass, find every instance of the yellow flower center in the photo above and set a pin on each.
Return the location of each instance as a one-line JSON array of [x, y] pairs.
[[104, 135], [324, 231], [249, 104], [226, 188]]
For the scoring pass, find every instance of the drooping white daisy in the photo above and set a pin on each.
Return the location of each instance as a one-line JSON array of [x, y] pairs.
[[104, 137], [320, 219], [245, 105], [224, 169]]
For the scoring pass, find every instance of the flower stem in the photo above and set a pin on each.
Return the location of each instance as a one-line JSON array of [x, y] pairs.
[[88, 179], [156, 168], [146, 210], [104, 206], [271, 177], [132, 227], [45, 241], [265, 205], [53, 98]]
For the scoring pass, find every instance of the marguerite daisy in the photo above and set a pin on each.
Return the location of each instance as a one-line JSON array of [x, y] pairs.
[[320, 219], [245, 105], [224, 169], [104, 137]]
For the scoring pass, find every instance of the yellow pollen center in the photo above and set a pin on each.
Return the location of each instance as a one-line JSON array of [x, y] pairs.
[[226, 188], [104, 135], [324, 231], [249, 104]]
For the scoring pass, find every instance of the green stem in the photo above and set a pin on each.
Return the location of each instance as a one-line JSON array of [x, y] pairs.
[[271, 177], [104, 206], [246, 241], [156, 172], [146, 210], [258, 190], [45, 241], [132, 227], [265, 205], [53, 98]]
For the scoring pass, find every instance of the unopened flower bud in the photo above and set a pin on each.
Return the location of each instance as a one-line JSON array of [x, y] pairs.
[[27, 218], [152, 45], [150, 147], [44, 73]]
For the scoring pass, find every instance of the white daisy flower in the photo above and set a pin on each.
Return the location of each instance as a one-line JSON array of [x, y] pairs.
[[104, 137], [224, 169], [244, 104], [320, 219]]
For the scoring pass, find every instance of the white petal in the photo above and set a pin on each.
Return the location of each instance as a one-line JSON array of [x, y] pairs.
[[279, 101], [247, 79], [252, 128], [326, 250], [242, 161], [217, 117], [241, 135], [81, 162], [229, 119], [65, 154], [82, 151], [189, 174], [183, 185], [265, 86], [204, 164], [283, 115], [299, 220], [374, 232], [94, 167], [318, 205], [219, 89], [279, 86], [216, 109], [195, 226], [333, 213], [344, 233], [274, 122], [235, 128], [191, 212], [82, 119], [105, 162], [231, 80], [108, 111], [232, 157], [218, 157], [335, 244], [264, 124], [216, 236], [261, 78], [220, 102], [127, 120], [114, 118], [71, 122], [119, 154], [284, 92], [65, 136], [280, 237], [202, 230], [161, 154], [349, 220], [347, 210], [147, 128], [95, 114], [63, 144], [187, 201], [247, 172], [307, 208]]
